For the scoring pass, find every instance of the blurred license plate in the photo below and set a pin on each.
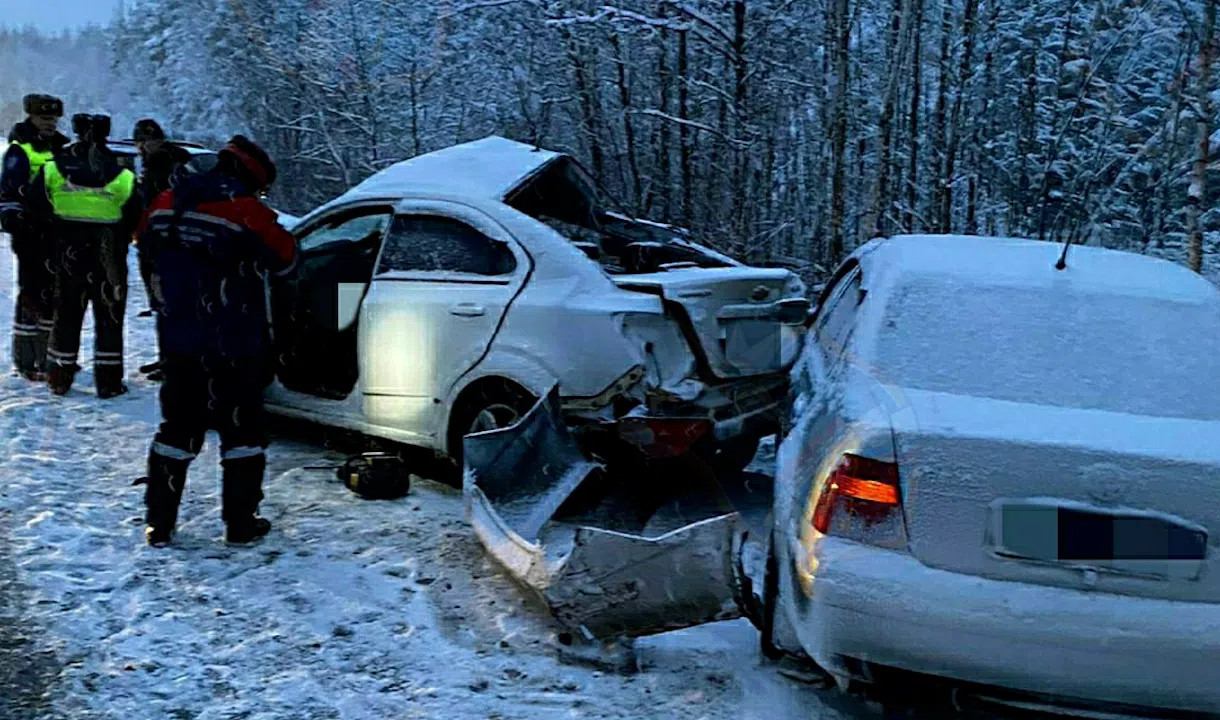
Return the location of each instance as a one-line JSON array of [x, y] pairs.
[[1133, 542]]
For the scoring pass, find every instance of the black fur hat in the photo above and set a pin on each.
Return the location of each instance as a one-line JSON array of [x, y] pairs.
[[99, 129], [147, 129], [37, 104], [94, 128], [81, 124]]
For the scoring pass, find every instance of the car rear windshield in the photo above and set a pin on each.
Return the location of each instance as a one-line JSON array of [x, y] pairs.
[[1072, 348]]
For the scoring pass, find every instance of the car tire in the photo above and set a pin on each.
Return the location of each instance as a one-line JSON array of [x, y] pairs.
[[487, 405]]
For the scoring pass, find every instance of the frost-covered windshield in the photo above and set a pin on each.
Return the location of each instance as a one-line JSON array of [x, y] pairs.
[[1081, 349]]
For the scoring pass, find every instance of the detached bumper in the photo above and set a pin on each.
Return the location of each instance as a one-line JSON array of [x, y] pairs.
[[887, 608], [563, 529]]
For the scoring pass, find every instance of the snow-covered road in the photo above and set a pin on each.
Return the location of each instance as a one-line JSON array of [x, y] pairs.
[[350, 609]]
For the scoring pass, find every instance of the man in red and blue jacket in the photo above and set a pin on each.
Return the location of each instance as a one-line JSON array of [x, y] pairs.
[[212, 242]]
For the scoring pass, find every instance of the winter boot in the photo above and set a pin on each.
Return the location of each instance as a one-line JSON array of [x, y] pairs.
[[241, 492], [60, 377], [109, 381], [155, 372], [162, 494]]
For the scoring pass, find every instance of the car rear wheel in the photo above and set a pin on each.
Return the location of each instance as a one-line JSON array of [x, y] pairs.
[[488, 405]]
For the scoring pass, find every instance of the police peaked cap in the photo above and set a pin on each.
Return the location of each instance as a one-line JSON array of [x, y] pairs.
[[37, 104]]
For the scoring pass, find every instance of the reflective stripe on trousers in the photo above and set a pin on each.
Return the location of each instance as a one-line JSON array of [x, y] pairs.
[[171, 452], [238, 453]]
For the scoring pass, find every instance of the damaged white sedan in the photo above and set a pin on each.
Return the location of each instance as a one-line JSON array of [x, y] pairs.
[[448, 293]]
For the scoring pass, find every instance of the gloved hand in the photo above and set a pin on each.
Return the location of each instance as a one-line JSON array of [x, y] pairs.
[[14, 223]]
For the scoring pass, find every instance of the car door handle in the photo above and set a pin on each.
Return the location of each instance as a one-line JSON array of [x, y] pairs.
[[467, 310]]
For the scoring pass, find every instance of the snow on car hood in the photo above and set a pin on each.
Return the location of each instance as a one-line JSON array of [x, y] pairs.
[[488, 168]]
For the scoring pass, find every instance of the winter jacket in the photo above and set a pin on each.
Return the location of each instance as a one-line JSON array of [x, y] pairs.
[[212, 243], [161, 170], [26, 154], [84, 185]]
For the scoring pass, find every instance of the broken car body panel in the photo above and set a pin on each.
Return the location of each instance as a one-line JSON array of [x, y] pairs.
[[553, 520]]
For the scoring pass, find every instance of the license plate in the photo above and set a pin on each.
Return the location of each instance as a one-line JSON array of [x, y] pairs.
[[1077, 534]]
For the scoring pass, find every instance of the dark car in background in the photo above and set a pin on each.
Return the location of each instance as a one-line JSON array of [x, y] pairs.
[[202, 158]]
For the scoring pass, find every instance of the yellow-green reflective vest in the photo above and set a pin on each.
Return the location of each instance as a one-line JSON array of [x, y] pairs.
[[88, 204], [37, 158]]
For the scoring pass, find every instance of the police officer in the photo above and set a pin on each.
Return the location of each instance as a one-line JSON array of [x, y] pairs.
[[91, 200], [213, 242], [32, 144]]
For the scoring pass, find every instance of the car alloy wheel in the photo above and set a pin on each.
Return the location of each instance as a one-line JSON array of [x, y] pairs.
[[494, 417]]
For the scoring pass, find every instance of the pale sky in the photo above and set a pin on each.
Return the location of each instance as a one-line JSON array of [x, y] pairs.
[[54, 15]]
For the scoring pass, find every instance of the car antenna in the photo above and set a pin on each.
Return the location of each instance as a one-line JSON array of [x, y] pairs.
[[1063, 258]]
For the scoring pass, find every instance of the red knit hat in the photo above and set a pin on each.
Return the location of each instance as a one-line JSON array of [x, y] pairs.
[[251, 157]]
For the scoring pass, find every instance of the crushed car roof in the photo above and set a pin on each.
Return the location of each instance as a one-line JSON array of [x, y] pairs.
[[488, 168], [1015, 261]]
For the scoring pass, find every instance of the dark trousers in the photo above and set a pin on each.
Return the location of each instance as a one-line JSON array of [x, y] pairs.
[[32, 317], [147, 274], [221, 394], [91, 271], [200, 394]]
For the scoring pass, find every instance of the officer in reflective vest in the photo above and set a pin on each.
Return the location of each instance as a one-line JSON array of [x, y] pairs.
[[91, 201], [32, 143]]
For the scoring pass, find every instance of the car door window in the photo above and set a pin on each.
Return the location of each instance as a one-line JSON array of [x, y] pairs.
[[834, 326], [430, 243], [347, 228]]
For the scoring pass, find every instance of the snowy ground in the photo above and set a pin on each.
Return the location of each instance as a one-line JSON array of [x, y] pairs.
[[350, 609]]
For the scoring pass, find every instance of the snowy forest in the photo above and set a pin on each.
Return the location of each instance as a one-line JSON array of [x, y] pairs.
[[782, 131]]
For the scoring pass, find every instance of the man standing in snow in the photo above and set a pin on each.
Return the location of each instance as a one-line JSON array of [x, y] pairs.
[[90, 201], [162, 162], [212, 242], [32, 143]]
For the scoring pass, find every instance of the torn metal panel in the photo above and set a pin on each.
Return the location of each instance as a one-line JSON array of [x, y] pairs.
[[620, 584], [576, 534]]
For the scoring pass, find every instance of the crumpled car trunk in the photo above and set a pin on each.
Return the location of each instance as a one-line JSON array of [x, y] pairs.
[[611, 552]]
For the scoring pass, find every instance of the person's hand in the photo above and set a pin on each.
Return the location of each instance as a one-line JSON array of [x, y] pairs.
[[14, 223]]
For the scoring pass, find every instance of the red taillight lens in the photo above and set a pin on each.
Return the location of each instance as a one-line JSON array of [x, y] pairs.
[[860, 486], [663, 437]]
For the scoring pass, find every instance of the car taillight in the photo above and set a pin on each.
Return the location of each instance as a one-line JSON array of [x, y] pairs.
[[860, 494], [663, 437]]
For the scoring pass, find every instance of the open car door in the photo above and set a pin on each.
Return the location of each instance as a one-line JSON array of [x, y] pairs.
[[314, 308]]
